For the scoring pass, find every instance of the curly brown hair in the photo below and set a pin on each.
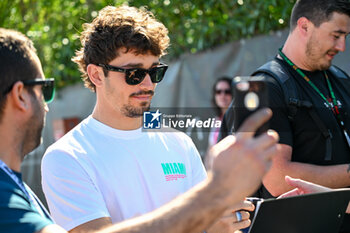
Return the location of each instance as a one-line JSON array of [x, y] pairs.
[[119, 27]]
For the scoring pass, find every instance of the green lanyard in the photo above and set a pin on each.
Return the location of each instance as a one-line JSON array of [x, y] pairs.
[[335, 107]]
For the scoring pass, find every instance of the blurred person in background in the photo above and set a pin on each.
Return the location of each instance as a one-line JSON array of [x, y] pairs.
[[221, 99]]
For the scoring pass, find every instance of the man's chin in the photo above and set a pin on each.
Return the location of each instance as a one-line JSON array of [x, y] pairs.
[[326, 65], [32, 147], [135, 112]]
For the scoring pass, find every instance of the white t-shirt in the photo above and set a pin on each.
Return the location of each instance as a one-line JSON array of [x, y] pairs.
[[97, 171]]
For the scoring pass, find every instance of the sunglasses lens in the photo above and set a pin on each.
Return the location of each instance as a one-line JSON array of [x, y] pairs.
[[49, 91], [134, 77], [226, 92], [157, 74]]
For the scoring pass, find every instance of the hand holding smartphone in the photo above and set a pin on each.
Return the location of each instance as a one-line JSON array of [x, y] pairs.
[[250, 94]]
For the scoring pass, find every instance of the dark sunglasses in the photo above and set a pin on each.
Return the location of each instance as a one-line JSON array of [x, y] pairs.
[[226, 92], [48, 87], [135, 76]]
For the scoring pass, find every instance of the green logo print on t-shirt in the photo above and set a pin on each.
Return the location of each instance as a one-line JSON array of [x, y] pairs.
[[174, 171]]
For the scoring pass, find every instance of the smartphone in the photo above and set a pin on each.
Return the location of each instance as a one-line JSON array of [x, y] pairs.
[[250, 94]]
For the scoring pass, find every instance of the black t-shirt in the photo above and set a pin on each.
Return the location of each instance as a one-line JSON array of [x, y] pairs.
[[309, 145], [303, 134]]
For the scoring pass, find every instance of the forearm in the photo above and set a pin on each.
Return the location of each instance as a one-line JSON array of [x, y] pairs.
[[301, 187], [192, 212], [334, 176]]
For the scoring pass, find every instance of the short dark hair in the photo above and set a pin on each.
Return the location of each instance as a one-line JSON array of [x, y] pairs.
[[119, 27], [226, 79], [318, 11], [16, 62]]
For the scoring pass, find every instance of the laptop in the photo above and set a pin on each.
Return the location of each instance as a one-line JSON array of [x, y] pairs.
[[310, 213]]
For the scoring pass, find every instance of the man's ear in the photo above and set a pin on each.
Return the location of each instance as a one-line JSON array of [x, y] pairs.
[[20, 97], [304, 26], [95, 74]]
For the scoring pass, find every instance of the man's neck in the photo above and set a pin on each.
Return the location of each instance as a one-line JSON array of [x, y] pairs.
[[296, 53], [117, 121], [13, 162]]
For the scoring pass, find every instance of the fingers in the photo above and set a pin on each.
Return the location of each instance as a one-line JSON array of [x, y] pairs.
[[253, 122], [236, 216], [240, 215], [245, 155], [241, 225], [267, 154], [247, 205], [243, 205], [291, 181], [291, 193], [229, 223], [302, 187], [241, 220], [305, 186], [265, 142], [300, 184]]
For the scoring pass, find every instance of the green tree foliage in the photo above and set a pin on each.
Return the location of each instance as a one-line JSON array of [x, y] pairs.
[[54, 25]]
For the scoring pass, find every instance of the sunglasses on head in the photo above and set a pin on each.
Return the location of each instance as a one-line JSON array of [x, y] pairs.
[[135, 76], [48, 87], [226, 92]]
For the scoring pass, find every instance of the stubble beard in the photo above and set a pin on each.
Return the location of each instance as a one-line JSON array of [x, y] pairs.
[[316, 61], [35, 125], [135, 112]]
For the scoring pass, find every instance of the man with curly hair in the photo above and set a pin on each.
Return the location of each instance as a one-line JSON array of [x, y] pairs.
[[107, 169], [23, 93]]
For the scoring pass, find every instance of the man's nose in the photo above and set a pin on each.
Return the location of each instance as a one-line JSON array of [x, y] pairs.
[[341, 44], [46, 107], [147, 82]]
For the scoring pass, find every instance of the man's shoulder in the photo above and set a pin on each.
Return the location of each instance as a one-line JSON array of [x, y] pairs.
[[5, 183], [14, 203], [275, 71], [10, 192], [68, 146], [338, 72], [72, 138]]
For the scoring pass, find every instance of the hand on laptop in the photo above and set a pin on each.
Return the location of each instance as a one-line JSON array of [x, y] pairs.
[[304, 187]]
